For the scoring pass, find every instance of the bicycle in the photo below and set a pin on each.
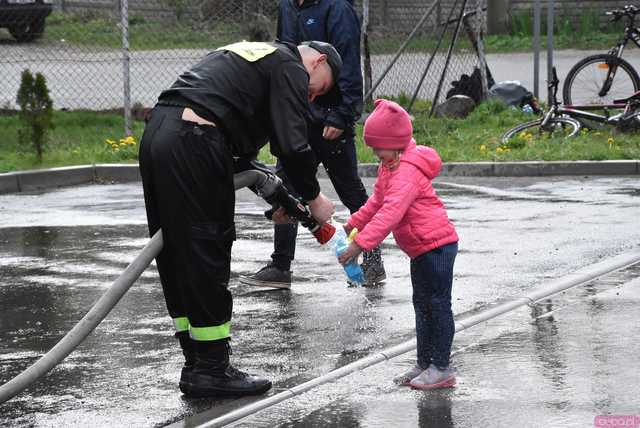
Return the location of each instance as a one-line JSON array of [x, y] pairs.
[[567, 121], [599, 79]]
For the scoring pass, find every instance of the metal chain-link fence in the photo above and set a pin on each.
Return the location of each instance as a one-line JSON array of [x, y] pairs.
[[79, 45], [80, 51], [429, 63]]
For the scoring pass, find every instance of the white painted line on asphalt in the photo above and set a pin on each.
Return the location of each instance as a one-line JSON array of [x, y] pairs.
[[491, 191]]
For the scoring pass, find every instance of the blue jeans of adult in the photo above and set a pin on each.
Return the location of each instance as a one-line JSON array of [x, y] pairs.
[[432, 278], [339, 160]]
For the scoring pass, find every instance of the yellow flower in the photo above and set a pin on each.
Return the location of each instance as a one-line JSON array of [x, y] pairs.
[[499, 149], [483, 147], [111, 142]]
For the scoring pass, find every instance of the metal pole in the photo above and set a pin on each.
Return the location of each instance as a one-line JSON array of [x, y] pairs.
[[480, 42], [572, 280], [448, 60], [402, 48], [366, 51], [550, 17], [497, 15], [385, 13], [536, 47], [126, 66], [104, 305]]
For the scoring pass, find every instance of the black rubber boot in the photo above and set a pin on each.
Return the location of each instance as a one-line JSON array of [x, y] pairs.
[[189, 351], [213, 375]]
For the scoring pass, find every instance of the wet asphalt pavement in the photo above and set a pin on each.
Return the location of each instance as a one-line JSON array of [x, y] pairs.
[[60, 250]]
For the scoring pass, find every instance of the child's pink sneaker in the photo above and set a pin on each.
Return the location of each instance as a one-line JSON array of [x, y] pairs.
[[434, 378], [405, 378]]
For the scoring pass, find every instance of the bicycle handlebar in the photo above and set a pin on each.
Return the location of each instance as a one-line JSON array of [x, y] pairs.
[[629, 10]]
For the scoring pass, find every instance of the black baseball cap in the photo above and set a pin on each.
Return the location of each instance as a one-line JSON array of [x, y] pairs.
[[333, 97]]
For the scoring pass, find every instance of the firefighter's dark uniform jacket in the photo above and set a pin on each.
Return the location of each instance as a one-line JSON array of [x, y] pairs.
[[255, 101], [254, 93]]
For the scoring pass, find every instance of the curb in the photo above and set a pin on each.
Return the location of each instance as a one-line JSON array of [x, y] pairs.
[[32, 180], [40, 179]]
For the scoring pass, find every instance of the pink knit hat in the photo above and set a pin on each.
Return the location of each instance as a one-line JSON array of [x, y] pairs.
[[388, 127]]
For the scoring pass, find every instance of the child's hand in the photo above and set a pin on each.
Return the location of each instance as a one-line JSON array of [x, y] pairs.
[[352, 252], [347, 228]]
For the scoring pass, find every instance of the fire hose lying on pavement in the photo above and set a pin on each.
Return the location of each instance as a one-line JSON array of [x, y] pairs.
[[261, 181]]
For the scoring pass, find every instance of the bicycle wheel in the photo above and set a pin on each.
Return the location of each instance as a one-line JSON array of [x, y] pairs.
[[586, 80], [564, 127]]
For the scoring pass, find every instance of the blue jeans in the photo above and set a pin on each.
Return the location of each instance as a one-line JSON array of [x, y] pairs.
[[432, 278]]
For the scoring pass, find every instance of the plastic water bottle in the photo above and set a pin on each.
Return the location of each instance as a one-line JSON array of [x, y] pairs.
[[339, 244]]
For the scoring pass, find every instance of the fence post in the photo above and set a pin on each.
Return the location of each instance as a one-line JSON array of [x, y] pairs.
[[365, 50], [480, 41], [385, 13], [550, 16], [497, 16], [126, 66], [536, 47]]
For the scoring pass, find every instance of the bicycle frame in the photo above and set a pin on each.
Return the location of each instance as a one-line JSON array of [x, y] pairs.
[[631, 33], [578, 112]]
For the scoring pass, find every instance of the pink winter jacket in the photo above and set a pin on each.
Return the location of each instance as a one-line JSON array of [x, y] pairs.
[[404, 202]]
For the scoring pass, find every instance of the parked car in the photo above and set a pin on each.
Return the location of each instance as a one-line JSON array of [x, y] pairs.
[[24, 18]]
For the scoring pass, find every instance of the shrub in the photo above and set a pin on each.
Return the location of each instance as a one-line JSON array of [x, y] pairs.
[[36, 109]]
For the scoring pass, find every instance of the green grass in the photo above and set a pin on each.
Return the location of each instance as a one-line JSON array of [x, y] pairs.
[[79, 138], [477, 138]]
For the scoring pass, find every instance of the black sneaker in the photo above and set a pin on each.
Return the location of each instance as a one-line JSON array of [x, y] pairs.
[[269, 276], [372, 267]]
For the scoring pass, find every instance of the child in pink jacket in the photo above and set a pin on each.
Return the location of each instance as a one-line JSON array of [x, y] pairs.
[[404, 202]]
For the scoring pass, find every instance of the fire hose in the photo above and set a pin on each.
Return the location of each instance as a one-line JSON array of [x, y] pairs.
[[262, 182]]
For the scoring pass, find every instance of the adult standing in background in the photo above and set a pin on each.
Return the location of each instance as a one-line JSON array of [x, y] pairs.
[[331, 131]]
